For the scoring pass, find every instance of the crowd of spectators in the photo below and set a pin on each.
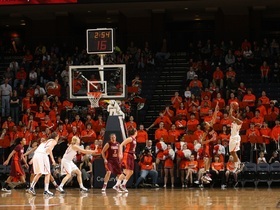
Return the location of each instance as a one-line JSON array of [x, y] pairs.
[[212, 77]]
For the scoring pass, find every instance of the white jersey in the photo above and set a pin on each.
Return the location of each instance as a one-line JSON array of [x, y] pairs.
[[235, 128], [69, 153], [43, 147]]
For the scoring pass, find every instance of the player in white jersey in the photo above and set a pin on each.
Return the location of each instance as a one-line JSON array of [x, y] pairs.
[[41, 163], [68, 166], [234, 140]]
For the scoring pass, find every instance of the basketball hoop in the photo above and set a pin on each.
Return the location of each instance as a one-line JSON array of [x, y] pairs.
[[94, 98]]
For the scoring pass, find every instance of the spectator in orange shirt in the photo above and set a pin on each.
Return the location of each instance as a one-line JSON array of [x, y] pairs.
[[74, 132], [250, 98], [168, 157], [182, 111], [20, 77], [206, 99], [231, 171], [168, 112], [141, 138], [181, 124], [174, 132], [31, 124], [182, 157], [265, 132], [47, 123], [40, 114], [251, 133], [264, 72], [198, 133], [8, 124], [53, 113], [226, 120], [192, 101], [191, 167], [217, 170], [273, 110], [195, 83], [25, 102], [275, 133], [204, 110], [261, 108], [99, 124], [27, 135], [159, 148], [14, 134], [131, 124], [62, 132], [264, 99], [245, 44], [78, 123], [46, 104], [218, 77], [161, 118], [258, 119], [232, 98], [161, 132], [220, 100], [88, 132], [192, 121], [176, 100]]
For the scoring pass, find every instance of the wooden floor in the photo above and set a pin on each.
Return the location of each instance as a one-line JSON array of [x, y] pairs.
[[146, 199]]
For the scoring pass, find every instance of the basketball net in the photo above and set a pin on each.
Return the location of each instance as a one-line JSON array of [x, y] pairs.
[[94, 98]]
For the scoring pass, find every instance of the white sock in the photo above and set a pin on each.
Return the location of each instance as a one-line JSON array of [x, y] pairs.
[[81, 185], [55, 184], [124, 182], [32, 185], [46, 186], [118, 182]]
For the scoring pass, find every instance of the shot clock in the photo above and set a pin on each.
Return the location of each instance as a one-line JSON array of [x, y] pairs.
[[100, 41]]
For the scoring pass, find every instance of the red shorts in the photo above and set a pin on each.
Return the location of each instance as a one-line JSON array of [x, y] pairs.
[[16, 169], [114, 166], [128, 161]]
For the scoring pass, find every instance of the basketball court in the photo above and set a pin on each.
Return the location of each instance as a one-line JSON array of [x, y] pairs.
[[146, 199]]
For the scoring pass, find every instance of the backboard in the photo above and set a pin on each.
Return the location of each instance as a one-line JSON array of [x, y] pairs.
[[108, 79]]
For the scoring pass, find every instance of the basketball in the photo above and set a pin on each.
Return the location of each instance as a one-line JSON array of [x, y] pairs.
[[234, 105]]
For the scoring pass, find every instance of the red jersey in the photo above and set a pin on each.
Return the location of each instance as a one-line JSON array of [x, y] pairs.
[[113, 150], [130, 147], [19, 151]]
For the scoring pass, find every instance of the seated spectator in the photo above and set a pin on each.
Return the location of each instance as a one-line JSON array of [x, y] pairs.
[[229, 58], [168, 157], [272, 110], [181, 124], [88, 132], [193, 101], [53, 113], [40, 114], [74, 132], [232, 98], [217, 170], [32, 124], [264, 99], [257, 119], [232, 87], [78, 123], [99, 124], [265, 132], [147, 167], [218, 99], [86, 169], [261, 158], [274, 158], [248, 113], [47, 122], [20, 78], [191, 166], [196, 86], [192, 120], [226, 120], [46, 104], [9, 123], [207, 100], [231, 170], [62, 132], [241, 91]]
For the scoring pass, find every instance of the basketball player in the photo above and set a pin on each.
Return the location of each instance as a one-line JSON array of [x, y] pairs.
[[41, 163], [234, 140], [127, 158], [68, 166], [16, 168], [111, 161]]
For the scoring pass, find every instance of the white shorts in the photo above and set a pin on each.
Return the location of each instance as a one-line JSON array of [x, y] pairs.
[[67, 166], [234, 143], [41, 163]]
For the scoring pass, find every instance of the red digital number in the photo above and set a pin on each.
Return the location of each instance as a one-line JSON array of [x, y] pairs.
[[102, 45]]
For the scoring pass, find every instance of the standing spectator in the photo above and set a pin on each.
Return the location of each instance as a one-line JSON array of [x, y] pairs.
[[168, 157], [32, 77], [176, 100], [14, 104], [6, 92], [190, 75], [14, 66], [20, 77], [8, 74], [250, 98], [141, 138], [264, 72]]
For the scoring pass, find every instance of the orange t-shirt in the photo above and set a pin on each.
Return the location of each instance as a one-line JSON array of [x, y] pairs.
[[217, 166], [142, 136]]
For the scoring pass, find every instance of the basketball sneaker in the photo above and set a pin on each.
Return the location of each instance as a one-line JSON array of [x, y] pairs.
[[31, 191], [117, 188], [104, 188], [4, 189], [83, 189], [123, 188], [60, 189], [48, 193]]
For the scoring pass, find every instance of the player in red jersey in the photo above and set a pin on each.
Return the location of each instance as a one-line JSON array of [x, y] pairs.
[[16, 168], [112, 164], [127, 157]]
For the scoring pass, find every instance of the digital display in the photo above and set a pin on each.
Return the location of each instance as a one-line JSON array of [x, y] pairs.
[[100, 41], [24, 2]]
